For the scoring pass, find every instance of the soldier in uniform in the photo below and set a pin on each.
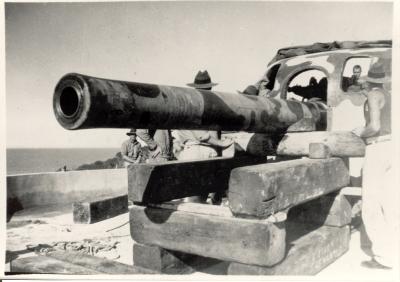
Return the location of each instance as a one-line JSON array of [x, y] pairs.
[[201, 144], [131, 149], [379, 211]]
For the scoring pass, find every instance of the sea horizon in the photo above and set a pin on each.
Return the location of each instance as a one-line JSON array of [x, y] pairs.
[[22, 160]]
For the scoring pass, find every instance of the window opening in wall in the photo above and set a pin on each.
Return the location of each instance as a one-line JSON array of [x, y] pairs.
[[308, 85], [355, 68]]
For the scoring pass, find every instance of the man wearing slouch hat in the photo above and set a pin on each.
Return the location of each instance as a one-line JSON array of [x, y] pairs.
[[379, 210]]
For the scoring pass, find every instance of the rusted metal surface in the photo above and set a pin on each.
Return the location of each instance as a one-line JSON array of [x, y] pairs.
[[82, 102]]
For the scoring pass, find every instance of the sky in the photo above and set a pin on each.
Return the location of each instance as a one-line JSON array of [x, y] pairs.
[[156, 42]]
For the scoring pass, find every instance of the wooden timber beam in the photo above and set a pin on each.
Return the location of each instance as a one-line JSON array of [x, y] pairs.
[[224, 237], [67, 262], [340, 143], [99, 209], [100, 265], [307, 254], [161, 182], [261, 190], [170, 262], [47, 265], [333, 209]]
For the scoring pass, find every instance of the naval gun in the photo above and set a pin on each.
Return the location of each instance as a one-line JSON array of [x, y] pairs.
[[84, 102]]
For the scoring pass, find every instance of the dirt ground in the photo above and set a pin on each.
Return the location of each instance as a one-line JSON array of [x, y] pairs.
[[50, 225]]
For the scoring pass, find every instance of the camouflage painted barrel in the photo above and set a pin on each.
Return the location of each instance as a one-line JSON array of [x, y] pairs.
[[82, 102]]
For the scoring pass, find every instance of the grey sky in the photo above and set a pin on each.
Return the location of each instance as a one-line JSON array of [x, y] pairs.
[[157, 42]]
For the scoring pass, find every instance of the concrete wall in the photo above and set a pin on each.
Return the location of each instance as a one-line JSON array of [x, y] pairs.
[[65, 187]]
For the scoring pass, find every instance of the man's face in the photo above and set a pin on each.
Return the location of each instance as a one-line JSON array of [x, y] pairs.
[[132, 137], [357, 72]]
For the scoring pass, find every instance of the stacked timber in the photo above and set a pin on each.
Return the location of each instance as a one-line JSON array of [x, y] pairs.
[[279, 213]]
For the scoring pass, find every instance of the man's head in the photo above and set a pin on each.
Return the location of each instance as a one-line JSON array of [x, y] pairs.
[[357, 71], [376, 75], [132, 134], [202, 81]]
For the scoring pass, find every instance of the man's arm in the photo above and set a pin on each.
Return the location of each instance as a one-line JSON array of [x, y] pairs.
[[138, 153], [345, 83], [124, 154], [145, 136], [376, 100], [212, 138], [128, 159]]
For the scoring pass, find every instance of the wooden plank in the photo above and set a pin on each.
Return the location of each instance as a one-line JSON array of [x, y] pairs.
[[195, 208], [261, 190], [229, 238], [159, 259], [47, 265], [161, 182], [98, 265], [307, 255], [170, 262], [319, 151], [333, 210], [162, 260], [351, 191], [340, 143], [210, 210], [98, 210]]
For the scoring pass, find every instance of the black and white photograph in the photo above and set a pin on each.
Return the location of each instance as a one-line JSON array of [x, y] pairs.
[[200, 140]]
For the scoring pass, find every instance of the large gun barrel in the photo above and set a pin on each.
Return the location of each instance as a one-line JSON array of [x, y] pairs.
[[82, 102]]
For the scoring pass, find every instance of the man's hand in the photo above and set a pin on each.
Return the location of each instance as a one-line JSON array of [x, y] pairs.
[[128, 159], [138, 160], [177, 147], [154, 154], [226, 142]]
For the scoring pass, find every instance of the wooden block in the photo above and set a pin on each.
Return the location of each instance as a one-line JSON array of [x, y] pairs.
[[319, 151], [333, 210], [307, 255], [213, 210], [172, 262], [99, 265], [228, 238], [340, 143], [261, 190], [98, 210], [161, 182], [47, 265], [351, 191], [162, 260]]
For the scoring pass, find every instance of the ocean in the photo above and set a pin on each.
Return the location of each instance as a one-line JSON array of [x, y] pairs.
[[20, 161]]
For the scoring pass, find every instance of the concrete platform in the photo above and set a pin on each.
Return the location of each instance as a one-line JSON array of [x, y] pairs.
[[50, 224]]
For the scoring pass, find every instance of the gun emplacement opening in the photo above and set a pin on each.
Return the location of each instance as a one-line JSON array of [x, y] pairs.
[[83, 102]]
